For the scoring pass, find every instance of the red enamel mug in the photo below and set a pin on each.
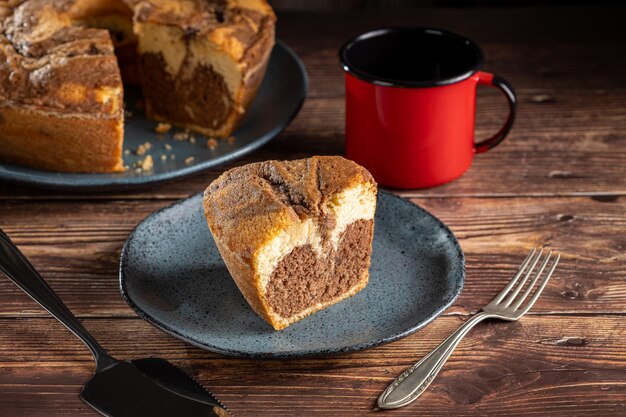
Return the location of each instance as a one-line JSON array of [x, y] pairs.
[[411, 104]]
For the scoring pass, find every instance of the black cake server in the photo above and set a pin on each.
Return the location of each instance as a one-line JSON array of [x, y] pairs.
[[138, 388]]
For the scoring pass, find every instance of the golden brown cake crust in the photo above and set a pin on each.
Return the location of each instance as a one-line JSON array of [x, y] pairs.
[[282, 191], [41, 47], [61, 96], [237, 27], [241, 30], [248, 205], [47, 62], [68, 151], [242, 19], [54, 61]]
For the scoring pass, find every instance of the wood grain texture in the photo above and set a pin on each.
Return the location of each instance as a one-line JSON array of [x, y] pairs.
[[560, 148], [76, 247], [573, 142], [558, 180], [533, 367]]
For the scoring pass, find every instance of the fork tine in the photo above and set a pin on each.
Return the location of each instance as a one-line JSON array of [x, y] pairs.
[[530, 287], [521, 269], [542, 285], [519, 287]]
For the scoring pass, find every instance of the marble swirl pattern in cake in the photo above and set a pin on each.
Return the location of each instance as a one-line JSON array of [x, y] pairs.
[[62, 62], [296, 236]]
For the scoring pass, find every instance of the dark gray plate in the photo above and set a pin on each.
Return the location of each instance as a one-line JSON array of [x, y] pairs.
[[278, 101], [172, 275]]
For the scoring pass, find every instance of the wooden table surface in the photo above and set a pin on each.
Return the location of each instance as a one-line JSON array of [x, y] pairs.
[[559, 180]]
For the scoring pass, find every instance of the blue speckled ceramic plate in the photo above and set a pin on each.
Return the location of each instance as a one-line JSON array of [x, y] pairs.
[[277, 102], [172, 275]]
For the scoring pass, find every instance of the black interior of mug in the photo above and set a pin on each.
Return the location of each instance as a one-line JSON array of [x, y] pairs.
[[411, 57]]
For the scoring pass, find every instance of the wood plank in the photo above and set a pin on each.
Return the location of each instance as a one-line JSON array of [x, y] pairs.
[[567, 151], [575, 145], [572, 144], [538, 366], [537, 48], [76, 247], [512, 25], [555, 66]]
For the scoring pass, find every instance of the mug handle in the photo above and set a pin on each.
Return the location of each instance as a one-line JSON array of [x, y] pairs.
[[485, 78]]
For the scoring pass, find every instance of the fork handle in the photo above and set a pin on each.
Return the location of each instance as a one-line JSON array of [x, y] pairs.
[[414, 381]]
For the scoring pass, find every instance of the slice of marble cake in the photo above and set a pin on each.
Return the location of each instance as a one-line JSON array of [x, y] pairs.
[[296, 236]]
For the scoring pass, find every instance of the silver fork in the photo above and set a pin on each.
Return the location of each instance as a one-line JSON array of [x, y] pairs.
[[505, 306]]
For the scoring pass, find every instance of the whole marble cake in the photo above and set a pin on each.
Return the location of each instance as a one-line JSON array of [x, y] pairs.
[[296, 236], [63, 64]]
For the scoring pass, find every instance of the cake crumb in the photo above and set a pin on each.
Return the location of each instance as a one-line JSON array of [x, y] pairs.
[[230, 140], [163, 157], [192, 139], [543, 98], [138, 170], [189, 160], [173, 156], [181, 136], [147, 164], [128, 114], [212, 144], [162, 128], [143, 148], [126, 152], [168, 147]]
